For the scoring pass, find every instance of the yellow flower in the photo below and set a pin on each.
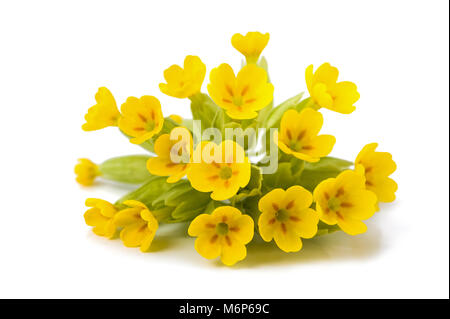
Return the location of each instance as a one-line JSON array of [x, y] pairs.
[[166, 149], [299, 137], [86, 172], [142, 118], [286, 217], [345, 201], [176, 118], [222, 173], [102, 114], [139, 225], [327, 93], [377, 166], [182, 83], [224, 233], [100, 216], [240, 96], [250, 45]]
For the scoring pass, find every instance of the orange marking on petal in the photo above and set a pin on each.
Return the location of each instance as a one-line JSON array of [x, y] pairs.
[[271, 221], [339, 215], [327, 196], [275, 206], [368, 169], [290, 204], [228, 240], [171, 165], [300, 136], [153, 115], [227, 183], [340, 192], [250, 101], [213, 239], [227, 101], [308, 147], [294, 218], [209, 225], [283, 228], [244, 90], [347, 205], [289, 134], [215, 164], [142, 117], [235, 229], [235, 173], [213, 178], [368, 183], [139, 129], [229, 90], [224, 218]]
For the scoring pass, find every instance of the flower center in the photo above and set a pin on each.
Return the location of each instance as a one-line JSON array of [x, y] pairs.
[[149, 126], [225, 172], [334, 204], [282, 215], [237, 100], [222, 228]]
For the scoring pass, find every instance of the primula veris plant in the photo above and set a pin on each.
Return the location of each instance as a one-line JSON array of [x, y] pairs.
[[241, 169]]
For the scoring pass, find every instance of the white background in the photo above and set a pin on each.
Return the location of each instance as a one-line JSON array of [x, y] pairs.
[[55, 54]]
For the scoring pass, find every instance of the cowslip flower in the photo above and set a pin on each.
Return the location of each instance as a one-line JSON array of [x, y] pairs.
[[376, 167], [86, 171], [142, 118], [345, 201], [139, 225], [179, 148], [242, 95], [184, 82], [326, 92], [100, 216], [224, 233], [298, 135], [286, 217], [251, 45], [222, 169], [102, 114]]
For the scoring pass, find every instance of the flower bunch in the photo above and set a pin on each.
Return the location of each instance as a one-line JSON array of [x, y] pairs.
[[241, 167]]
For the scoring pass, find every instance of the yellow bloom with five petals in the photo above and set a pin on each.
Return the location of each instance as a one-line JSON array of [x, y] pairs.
[[224, 233], [326, 92], [242, 95], [376, 167], [184, 82], [142, 118], [345, 201], [100, 216], [139, 225], [86, 172], [222, 169], [286, 217], [251, 45], [298, 135], [102, 114], [167, 150]]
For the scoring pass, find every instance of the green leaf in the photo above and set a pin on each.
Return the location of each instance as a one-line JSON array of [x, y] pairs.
[[126, 169]]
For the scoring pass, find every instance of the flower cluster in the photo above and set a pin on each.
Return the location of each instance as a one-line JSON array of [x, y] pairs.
[[198, 173]]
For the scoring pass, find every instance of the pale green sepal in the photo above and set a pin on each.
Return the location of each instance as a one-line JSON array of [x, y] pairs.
[[327, 167], [205, 110], [126, 169], [274, 117], [325, 229]]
